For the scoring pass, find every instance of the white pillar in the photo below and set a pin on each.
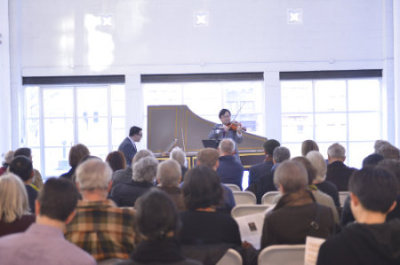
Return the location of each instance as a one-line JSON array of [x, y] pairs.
[[396, 64], [272, 105]]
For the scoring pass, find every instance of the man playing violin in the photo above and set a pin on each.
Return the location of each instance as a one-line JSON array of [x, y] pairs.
[[228, 129]]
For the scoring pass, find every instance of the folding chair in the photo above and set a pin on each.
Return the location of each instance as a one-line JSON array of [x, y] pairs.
[[233, 187], [269, 197], [343, 196], [282, 254], [231, 257], [242, 210], [244, 197]]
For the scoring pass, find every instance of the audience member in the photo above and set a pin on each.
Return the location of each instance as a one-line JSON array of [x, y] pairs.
[[76, 154], [338, 173], [22, 167], [259, 171], [99, 227], [157, 222], [43, 242], [371, 160], [307, 146], [370, 240], [169, 177], [116, 160], [230, 170], [143, 175], [179, 156], [14, 207], [387, 150], [8, 157], [37, 180], [296, 214]]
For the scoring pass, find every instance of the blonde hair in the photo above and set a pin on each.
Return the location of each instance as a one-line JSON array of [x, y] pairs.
[[13, 198]]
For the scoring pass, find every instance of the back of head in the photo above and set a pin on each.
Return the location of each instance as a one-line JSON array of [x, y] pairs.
[[22, 167], [379, 143], [336, 150], [93, 174], [8, 157], [178, 155], [134, 130], [145, 169], [307, 146], [318, 163], [227, 146], [141, 154], [281, 154], [57, 199], [311, 172], [270, 145], [13, 198], [23, 151], [77, 153], [201, 188], [169, 173], [393, 166], [156, 215], [388, 151], [372, 160], [116, 160], [376, 188], [207, 157], [292, 176]]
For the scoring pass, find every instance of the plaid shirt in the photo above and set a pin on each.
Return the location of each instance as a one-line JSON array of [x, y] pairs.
[[102, 229]]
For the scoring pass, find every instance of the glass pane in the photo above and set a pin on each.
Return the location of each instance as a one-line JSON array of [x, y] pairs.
[[297, 127], [295, 149], [99, 151], [364, 126], [32, 127], [296, 96], [117, 100], [32, 102], [162, 94], [36, 160], [118, 131], [358, 151], [58, 102], [330, 127], [93, 131], [92, 102], [56, 163], [58, 132], [330, 95], [196, 95], [364, 95]]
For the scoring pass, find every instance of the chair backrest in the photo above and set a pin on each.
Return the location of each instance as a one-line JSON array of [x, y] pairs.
[[343, 196], [233, 187], [269, 197], [231, 257], [244, 197], [282, 254], [242, 210]]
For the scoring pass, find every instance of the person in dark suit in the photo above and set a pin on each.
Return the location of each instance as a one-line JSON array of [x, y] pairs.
[[128, 146], [338, 173], [230, 171]]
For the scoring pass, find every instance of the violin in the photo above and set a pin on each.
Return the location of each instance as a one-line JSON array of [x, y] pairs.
[[234, 126]]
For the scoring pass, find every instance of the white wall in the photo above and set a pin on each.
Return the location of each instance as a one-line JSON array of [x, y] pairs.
[[159, 36]]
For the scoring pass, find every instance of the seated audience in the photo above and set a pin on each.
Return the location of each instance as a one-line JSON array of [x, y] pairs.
[[179, 156], [168, 178], [116, 160], [338, 173], [370, 240], [143, 175], [387, 150], [157, 222], [76, 154], [44, 242], [259, 171], [8, 157], [308, 146], [22, 167], [296, 214], [208, 157], [99, 227], [37, 180], [230, 170], [371, 160], [14, 207]]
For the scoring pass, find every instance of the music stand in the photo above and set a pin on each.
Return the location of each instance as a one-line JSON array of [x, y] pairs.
[[212, 143]]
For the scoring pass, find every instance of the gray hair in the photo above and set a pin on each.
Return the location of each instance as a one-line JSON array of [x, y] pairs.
[[336, 150], [141, 154], [281, 154], [292, 176], [93, 174], [318, 163], [145, 169], [178, 155], [13, 198], [169, 173], [227, 146], [388, 151]]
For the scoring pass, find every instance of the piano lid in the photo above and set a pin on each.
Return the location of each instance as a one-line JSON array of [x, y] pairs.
[[168, 124]]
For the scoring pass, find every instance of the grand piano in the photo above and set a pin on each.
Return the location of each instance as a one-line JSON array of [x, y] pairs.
[[176, 125]]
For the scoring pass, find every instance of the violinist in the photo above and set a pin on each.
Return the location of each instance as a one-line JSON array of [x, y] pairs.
[[227, 129]]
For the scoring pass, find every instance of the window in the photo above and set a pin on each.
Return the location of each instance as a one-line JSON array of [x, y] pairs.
[[344, 110], [57, 117]]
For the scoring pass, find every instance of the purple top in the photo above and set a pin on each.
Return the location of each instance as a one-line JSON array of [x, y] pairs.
[[19, 225], [41, 244]]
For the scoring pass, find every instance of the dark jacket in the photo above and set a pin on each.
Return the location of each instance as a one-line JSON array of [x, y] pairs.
[[259, 171], [339, 174], [126, 194], [128, 149], [361, 244], [230, 170], [330, 189], [18, 225], [176, 196], [32, 196], [262, 186]]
